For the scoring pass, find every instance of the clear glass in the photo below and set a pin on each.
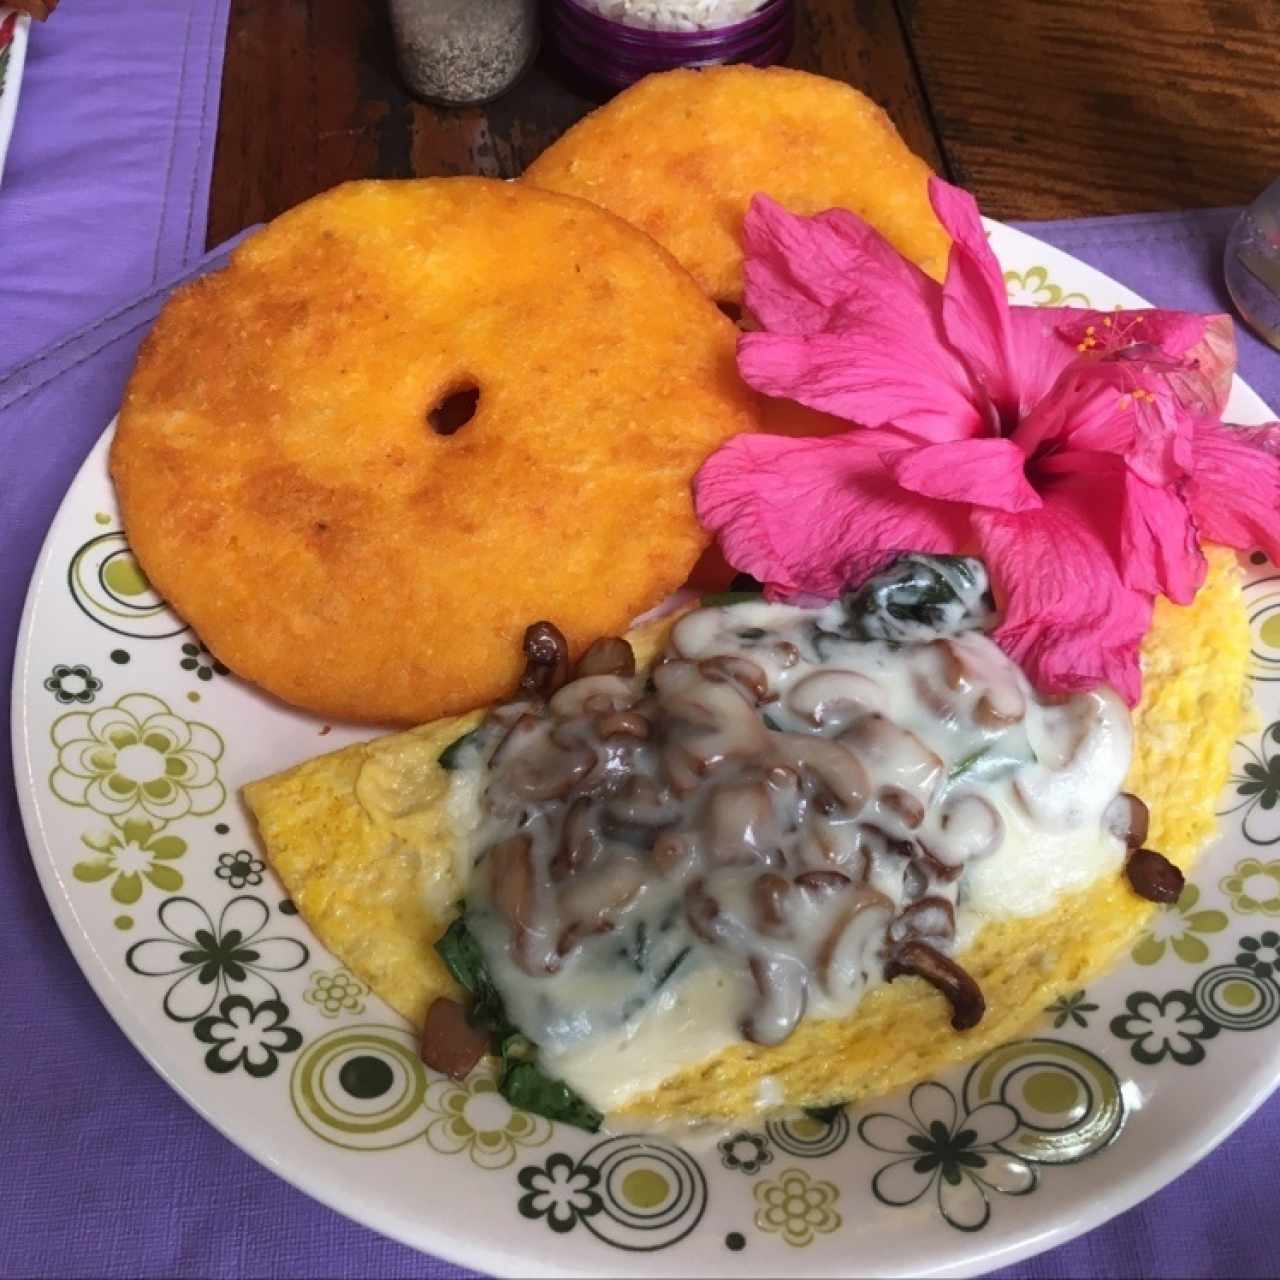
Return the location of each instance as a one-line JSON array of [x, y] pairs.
[[1252, 265]]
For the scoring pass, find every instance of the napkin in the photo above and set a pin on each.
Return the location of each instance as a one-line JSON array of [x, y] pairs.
[[106, 187], [108, 1173]]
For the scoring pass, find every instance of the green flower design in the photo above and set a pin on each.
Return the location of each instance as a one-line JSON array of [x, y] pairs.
[[72, 684], [1071, 1008], [561, 1191], [957, 1156], [746, 1152], [137, 759], [334, 992], [209, 960], [239, 869], [1169, 1026], [195, 657], [1033, 288], [472, 1116], [248, 1035], [1176, 925], [797, 1207], [130, 855], [1254, 887], [1261, 954], [1257, 787]]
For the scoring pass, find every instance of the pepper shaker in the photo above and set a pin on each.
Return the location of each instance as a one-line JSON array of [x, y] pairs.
[[462, 52]]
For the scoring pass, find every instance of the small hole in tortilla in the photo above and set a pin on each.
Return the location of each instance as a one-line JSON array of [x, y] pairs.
[[454, 411]]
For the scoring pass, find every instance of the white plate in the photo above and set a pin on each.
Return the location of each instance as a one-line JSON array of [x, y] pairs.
[[15, 28], [131, 746]]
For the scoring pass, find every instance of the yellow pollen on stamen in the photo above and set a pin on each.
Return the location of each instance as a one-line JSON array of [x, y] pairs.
[[1107, 322], [1091, 329]]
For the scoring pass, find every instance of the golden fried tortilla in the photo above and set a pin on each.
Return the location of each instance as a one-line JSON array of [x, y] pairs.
[[680, 155], [362, 840], [285, 489]]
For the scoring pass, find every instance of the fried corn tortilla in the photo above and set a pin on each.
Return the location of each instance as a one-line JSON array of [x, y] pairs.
[[363, 841], [681, 154], [285, 487]]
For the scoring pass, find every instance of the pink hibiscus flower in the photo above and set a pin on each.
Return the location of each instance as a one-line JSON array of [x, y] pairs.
[[1081, 454]]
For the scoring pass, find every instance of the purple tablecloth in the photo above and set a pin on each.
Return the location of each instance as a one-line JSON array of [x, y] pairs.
[[105, 1171], [106, 188]]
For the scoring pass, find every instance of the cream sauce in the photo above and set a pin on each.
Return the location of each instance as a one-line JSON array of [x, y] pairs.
[[662, 868]]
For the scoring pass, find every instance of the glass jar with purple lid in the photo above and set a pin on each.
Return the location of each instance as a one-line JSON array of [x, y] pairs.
[[616, 42]]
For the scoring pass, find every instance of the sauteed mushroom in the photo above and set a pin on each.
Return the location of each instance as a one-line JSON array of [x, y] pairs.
[[546, 660], [944, 975], [608, 656]]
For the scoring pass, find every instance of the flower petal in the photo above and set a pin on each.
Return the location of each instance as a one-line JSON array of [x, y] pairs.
[[963, 1203], [932, 1103], [888, 1133], [987, 472], [874, 375], [1153, 537], [1069, 620], [975, 303], [901, 1182], [1006, 1174], [246, 914], [1149, 949], [127, 888], [158, 957], [184, 918], [852, 327], [800, 272], [1234, 491], [1214, 356], [853, 516], [93, 869], [1039, 351], [1158, 545], [279, 955], [189, 998], [164, 878], [992, 1122]]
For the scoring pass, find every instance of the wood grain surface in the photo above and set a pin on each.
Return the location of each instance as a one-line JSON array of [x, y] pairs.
[[1044, 108], [1059, 108]]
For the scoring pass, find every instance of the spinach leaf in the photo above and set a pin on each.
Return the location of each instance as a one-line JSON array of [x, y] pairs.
[[525, 1086], [520, 1080], [449, 757], [919, 598], [464, 959]]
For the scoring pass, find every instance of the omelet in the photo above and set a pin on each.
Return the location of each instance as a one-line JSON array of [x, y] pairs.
[[366, 842]]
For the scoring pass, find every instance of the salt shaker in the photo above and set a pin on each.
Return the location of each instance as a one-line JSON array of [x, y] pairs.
[[462, 52]]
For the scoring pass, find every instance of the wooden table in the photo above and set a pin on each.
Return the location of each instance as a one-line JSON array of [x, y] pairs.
[[1043, 108]]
